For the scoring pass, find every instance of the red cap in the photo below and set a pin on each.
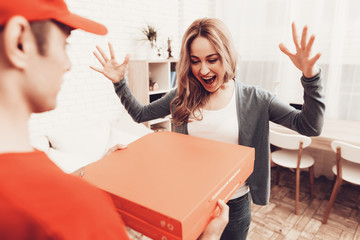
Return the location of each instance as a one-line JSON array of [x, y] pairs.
[[37, 10]]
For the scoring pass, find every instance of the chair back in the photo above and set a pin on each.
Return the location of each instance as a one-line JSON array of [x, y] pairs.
[[288, 141], [349, 152]]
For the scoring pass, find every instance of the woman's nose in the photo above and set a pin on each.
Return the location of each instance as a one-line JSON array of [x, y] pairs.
[[204, 69]]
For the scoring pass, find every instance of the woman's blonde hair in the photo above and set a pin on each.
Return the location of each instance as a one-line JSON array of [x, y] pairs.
[[191, 94]]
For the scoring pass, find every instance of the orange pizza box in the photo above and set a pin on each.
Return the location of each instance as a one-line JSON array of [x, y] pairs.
[[145, 228], [166, 185]]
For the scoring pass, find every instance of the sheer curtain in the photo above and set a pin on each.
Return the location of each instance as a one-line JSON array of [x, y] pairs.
[[259, 26]]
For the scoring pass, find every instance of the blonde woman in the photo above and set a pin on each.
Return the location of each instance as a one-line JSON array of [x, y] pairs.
[[209, 102]]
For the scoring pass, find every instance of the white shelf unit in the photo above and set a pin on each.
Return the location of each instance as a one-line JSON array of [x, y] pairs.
[[140, 72]]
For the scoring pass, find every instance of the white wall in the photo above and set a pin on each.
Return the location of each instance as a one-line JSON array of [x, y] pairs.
[[86, 97]]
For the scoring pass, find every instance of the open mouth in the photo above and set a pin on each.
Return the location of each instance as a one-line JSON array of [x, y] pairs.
[[209, 81]]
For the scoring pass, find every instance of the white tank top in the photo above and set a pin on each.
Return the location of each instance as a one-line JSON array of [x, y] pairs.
[[219, 125]]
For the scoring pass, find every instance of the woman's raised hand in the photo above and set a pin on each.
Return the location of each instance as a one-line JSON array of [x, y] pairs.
[[302, 59], [111, 68]]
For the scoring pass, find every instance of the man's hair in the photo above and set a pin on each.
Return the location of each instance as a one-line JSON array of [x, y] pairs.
[[40, 30]]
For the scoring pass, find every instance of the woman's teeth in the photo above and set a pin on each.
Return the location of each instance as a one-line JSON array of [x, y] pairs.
[[209, 80]]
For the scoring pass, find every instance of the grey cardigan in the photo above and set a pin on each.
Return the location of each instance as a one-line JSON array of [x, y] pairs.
[[255, 108]]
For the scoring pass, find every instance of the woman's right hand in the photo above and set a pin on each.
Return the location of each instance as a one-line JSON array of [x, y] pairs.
[[111, 68]]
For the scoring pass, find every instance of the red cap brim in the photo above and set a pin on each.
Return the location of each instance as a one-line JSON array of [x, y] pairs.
[[78, 22]]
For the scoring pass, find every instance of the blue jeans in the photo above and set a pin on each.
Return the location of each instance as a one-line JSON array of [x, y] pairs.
[[239, 218]]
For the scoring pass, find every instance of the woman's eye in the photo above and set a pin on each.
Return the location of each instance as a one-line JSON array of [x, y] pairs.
[[194, 62], [212, 60]]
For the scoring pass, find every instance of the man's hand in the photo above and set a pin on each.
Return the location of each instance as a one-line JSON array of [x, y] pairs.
[[217, 225], [115, 148], [80, 172]]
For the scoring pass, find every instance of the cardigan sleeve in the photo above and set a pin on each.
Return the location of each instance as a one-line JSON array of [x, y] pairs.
[[310, 119], [139, 112]]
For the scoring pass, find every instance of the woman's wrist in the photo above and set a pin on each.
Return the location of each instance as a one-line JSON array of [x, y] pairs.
[[118, 80], [122, 80], [311, 73]]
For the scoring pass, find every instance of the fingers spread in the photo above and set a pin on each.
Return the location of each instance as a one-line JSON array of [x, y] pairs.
[[303, 37], [99, 58], [284, 49], [102, 53], [313, 60], [112, 52], [127, 59], [295, 36], [96, 69], [310, 43]]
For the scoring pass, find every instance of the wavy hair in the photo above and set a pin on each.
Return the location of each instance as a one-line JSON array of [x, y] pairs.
[[191, 94]]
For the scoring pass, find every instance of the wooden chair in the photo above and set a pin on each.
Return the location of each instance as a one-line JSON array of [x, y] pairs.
[[347, 170], [291, 156]]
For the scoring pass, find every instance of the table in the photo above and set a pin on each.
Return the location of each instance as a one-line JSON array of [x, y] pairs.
[[320, 148]]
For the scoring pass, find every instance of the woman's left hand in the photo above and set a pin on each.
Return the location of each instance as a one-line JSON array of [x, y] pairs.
[[301, 58]]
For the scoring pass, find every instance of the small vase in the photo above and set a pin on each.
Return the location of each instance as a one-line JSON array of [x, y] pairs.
[[151, 53]]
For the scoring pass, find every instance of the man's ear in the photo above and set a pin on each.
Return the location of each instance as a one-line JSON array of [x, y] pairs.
[[18, 38]]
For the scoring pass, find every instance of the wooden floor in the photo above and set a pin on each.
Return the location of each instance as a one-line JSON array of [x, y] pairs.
[[277, 220]]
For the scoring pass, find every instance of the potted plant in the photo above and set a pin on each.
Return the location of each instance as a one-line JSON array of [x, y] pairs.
[[151, 35]]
